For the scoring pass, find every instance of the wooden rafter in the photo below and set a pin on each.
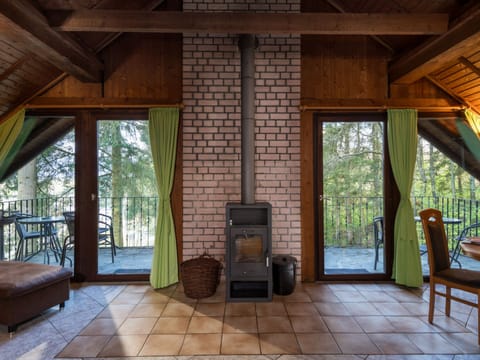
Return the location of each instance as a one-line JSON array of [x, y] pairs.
[[13, 67], [253, 23], [340, 7], [31, 27], [148, 5], [469, 65], [434, 54]]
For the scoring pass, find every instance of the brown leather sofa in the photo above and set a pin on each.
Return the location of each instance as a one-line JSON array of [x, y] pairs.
[[27, 289]]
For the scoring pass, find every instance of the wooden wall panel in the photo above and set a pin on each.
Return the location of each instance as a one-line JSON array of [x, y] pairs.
[[345, 67], [144, 66], [73, 88], [423, 89]]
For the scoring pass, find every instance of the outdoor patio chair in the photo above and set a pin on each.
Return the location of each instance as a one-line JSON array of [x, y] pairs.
[[377, 236], [105, 234], [440, 271], [25, 237], [470, 233], [68, 242]]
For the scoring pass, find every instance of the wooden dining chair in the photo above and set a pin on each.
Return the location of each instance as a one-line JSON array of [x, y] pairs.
[[440, 271]]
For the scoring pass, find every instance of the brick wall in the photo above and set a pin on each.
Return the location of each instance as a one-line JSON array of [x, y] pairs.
[[211, 140]]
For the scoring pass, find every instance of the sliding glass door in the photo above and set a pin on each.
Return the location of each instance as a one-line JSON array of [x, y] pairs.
[[127, 198], [350, 194]]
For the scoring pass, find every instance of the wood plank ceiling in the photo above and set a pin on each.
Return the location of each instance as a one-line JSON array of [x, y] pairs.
[[42, 41]]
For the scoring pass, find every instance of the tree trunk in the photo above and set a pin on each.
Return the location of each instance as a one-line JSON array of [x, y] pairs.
[[27, 187]]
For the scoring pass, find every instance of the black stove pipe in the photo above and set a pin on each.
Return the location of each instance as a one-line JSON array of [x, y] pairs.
[[247, 44]]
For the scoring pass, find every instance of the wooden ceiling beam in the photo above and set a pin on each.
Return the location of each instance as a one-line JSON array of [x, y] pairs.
[[436, 53], [252, 23], [31, 27]]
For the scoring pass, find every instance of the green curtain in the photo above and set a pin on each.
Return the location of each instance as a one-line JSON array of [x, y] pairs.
[[28, 125], [471, 135], [402, 146], [9, 131], [163, 128]]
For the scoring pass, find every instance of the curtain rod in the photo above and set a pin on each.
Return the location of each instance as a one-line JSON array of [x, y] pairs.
[[379, 107], [99, 105]]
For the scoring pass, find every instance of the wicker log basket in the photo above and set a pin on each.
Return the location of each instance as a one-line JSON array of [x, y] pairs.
[[200, 276]]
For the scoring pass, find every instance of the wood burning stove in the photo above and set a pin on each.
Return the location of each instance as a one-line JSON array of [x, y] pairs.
[[248, 264]]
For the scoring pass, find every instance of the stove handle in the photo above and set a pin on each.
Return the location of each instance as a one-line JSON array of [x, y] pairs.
[[267, 259]]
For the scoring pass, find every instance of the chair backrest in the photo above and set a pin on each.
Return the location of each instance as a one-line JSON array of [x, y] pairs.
[[378, 228], [21, 228], [436, 239], [70, 221]]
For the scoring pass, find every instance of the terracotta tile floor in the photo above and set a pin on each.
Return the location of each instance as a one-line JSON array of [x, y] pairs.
[[334, 321]]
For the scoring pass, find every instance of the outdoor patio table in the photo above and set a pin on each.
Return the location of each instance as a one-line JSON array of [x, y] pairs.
[[47, 234], [446, 220]]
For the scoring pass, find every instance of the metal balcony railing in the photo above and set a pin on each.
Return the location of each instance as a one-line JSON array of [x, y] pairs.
[[348, 221], [134, 218]]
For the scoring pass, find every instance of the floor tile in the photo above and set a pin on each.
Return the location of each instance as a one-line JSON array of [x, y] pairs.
[[123, 345], [347, 296], [326, 308], [361, 308], [301, 309], [240, 309], [394, 309], [467, 342], [153, 297], [374, 324], [158, 345], [356, 344], [342, 324], [210, 309], [279, 344], [234, 344], [102, 326], [201, 344], [171, 325], [137, 326], [321, 294], [117, 311], [127, 298], [178, 309], [433, 344], [205, 325], [315, 343], [406, 324], [287, 325], [394, 344], [274, 324], [240, 324], [296, 296], [308, 324], [147, 310], [377, 296], [271, 309], [84, 346]]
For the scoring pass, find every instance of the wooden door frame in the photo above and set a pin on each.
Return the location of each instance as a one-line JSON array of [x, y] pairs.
[[86, 180], [309, 202]]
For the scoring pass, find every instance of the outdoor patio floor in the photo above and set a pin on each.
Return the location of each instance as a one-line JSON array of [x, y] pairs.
[[138, 260], [318, 321]]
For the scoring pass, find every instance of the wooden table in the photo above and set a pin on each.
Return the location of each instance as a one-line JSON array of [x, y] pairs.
[[471, 249]]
